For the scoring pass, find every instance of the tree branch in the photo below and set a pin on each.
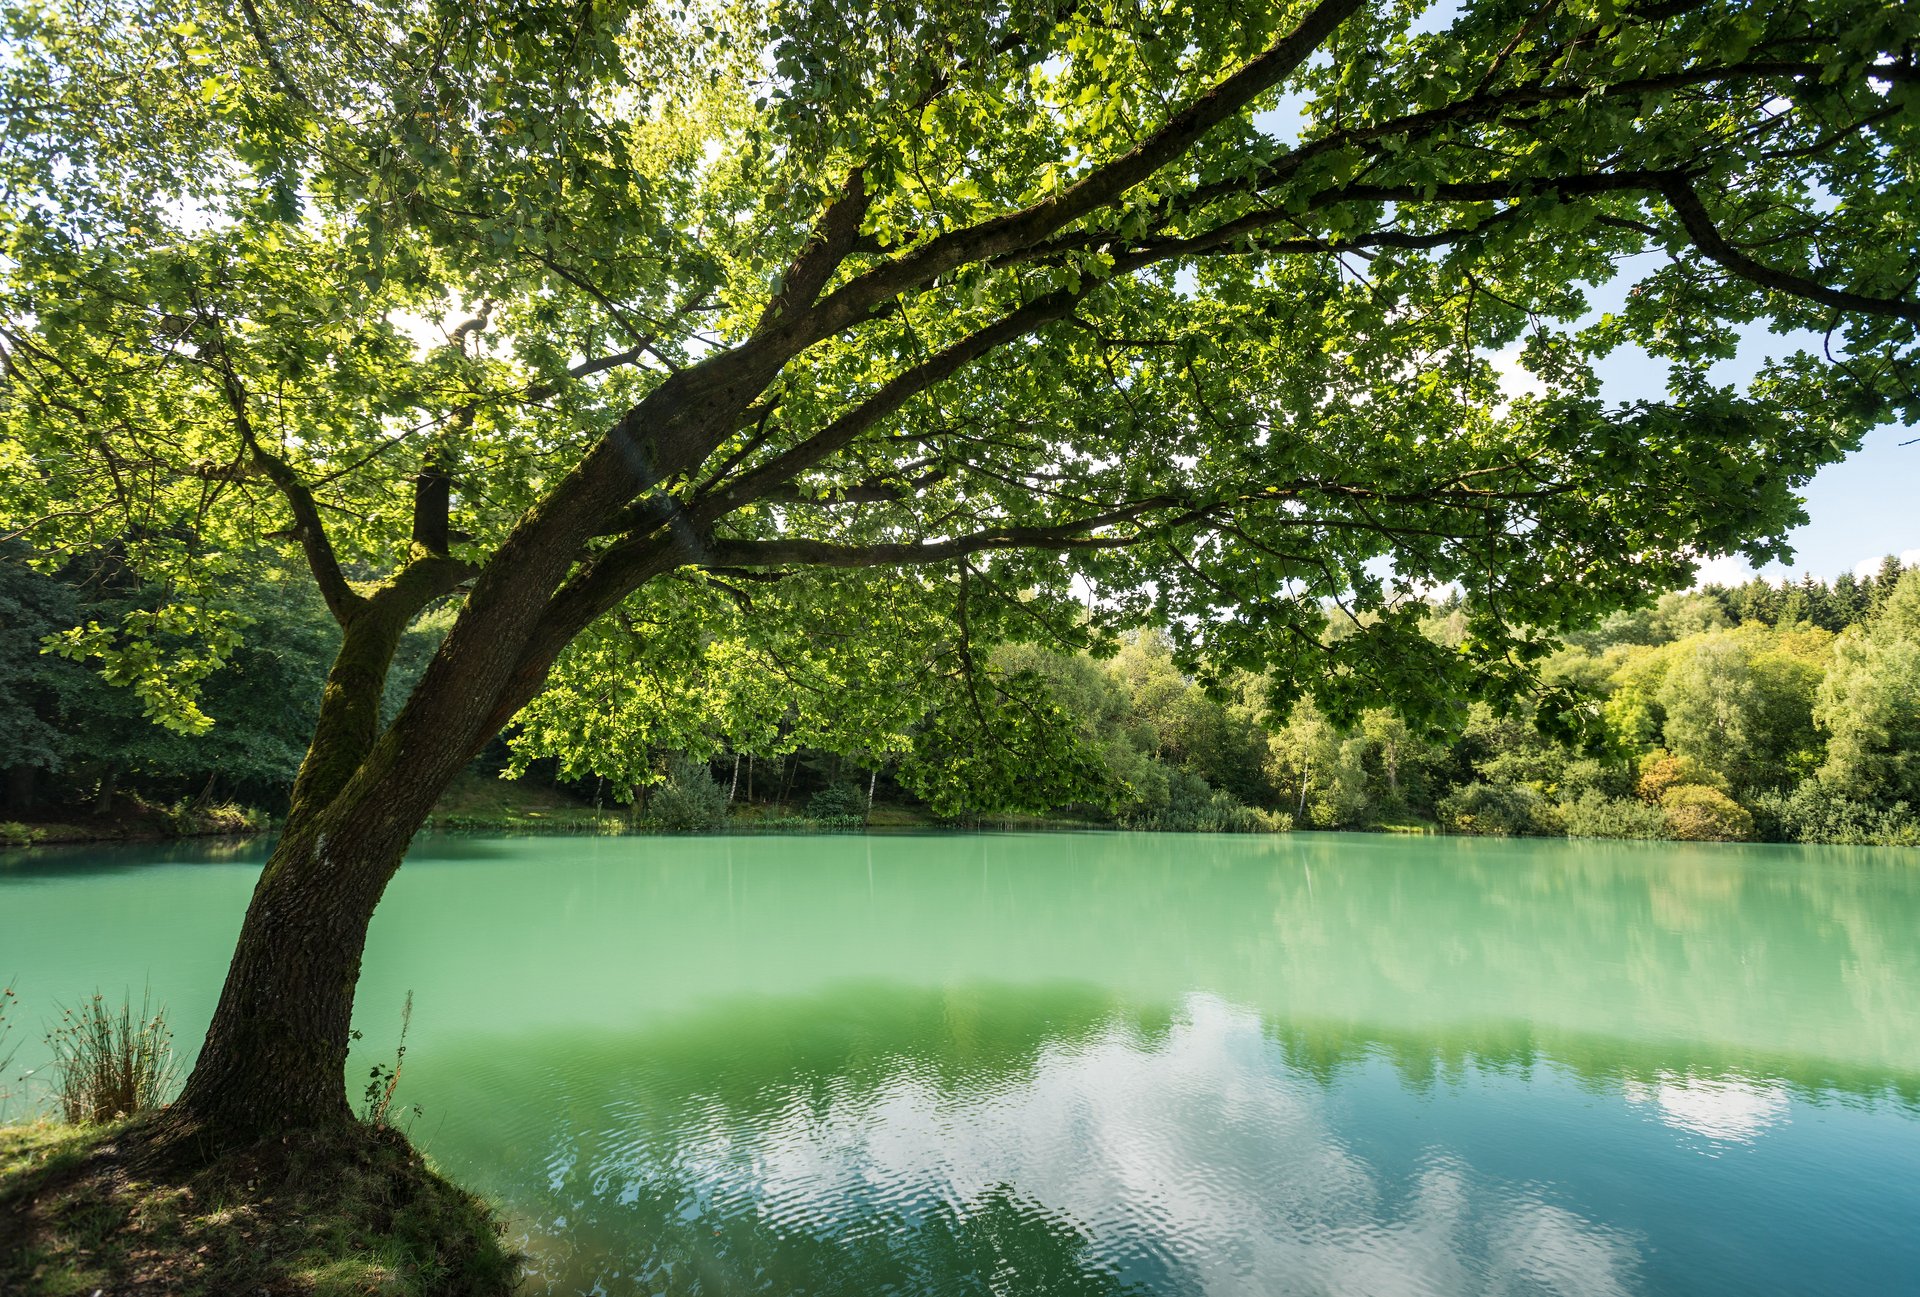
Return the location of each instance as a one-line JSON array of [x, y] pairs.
[[833, 237], [1099, 187], [1706, 236], [341, 601]]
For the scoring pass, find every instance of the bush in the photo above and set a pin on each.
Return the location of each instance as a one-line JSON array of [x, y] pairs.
[[1175, 800], [1661, 770], [689, 801], [1812, 814], [1585, 775], [183, 819], [1593, 814], [107, 1065], [837, 804], [1494, 810], [1697, 813], [15, 834]]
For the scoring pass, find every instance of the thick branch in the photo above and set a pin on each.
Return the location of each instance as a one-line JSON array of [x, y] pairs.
[[349, 720], [833, 237], [1711, 242], [1099, 187]]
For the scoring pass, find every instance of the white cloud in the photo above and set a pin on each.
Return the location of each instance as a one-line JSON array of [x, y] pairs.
[[1725, 1111], [1871, 566], [1727, 570], [1192, 1153]]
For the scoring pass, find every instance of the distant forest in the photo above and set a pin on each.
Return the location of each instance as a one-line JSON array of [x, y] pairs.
[[1752, 712]]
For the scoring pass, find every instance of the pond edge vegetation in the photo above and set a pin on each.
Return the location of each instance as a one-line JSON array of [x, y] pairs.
[[112, 1199]]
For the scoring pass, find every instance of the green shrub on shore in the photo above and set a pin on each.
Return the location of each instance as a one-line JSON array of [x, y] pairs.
[[689, 801], [836, 804], [1814, 813], [1593, 814], [1491, 810], [1697, 813]]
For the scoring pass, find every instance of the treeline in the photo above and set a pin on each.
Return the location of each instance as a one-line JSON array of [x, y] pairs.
[[1746, 713], [1749, 712], [75, 742]]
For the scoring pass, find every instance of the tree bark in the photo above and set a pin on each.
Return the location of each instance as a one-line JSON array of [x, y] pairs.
[[275, 1054]]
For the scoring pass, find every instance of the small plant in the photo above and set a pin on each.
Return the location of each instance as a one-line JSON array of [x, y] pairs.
[[107, 1064], [7, 1001], [15, 834], [382, 1080]]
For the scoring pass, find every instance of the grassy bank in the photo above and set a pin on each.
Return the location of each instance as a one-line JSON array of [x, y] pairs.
[[88, 1210], [131, 820]]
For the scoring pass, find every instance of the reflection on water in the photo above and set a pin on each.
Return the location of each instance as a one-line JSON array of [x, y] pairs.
[[1728, 1110], [1185, 1159], [1123, 1064]]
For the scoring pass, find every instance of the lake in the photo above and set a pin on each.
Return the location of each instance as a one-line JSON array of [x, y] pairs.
[[1111, 1063]]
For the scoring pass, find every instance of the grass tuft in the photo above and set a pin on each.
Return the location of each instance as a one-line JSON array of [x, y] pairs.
[[108, 1065]]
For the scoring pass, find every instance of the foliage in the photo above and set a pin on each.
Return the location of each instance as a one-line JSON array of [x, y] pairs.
[[1593, 814], [1812, 812], [296, 287], [689, 801], [838, 804], [109, 1065], [1698, 813], [1870, 701], [1491, 810], [1661, 771]]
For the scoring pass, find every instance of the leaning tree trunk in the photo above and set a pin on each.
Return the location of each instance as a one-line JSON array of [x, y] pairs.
[[275, 1054], [274, 1057]]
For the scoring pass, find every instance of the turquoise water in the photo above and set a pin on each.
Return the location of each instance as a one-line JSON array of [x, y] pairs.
[[1113, 1063]]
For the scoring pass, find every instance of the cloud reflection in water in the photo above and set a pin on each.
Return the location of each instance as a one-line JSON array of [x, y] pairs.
[[1191, 1159]]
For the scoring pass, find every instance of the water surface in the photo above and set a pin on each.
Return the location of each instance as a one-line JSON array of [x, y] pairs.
[[1113, 1063]]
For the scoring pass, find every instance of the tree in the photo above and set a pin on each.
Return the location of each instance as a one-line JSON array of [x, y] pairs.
[[1870, 704], [547, 309], [1740, 706]]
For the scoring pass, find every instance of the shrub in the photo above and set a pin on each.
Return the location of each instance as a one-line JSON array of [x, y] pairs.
[[1493, 810], [108, 1065], [15, 834], [689, 801], [1593, 814], [837, 804], [183, 819], [382, 1080], [1661, 770], [1697, 813], [1812, 814], [1174, 800]]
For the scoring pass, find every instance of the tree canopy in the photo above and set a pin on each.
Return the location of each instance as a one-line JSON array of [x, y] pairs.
[[1184, 312]]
